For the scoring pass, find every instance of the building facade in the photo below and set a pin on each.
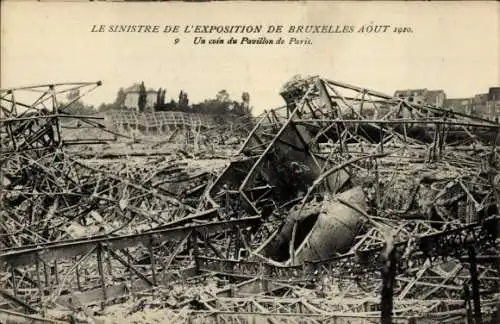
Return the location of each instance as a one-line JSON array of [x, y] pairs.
[[460, 105], [434, 98], [493, 103], [132, 98], [484, 105]]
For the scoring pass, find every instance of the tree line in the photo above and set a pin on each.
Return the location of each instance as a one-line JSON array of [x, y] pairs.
[[221, 104]]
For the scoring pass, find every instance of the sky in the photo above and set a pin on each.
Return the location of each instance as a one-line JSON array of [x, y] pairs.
[[454, 46]]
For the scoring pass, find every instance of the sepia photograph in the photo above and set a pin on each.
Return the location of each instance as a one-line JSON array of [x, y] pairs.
[[250, 162]]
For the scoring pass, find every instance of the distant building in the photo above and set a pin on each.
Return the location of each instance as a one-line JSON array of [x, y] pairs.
[[132, 98], [493, 102], [460, 105], [484, 105], [434, 98], [480, 106]]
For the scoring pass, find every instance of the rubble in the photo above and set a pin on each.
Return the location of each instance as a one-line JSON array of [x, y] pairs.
[[346, 204]]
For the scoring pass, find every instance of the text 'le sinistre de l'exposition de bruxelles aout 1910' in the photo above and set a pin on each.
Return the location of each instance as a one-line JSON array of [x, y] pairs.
[[250, 34]]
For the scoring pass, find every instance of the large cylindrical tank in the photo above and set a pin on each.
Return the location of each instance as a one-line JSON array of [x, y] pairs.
[[335, 228]]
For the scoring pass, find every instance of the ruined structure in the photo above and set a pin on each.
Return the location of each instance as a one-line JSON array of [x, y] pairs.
[[345, 205]]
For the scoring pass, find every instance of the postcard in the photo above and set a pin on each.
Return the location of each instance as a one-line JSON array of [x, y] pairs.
[[249, 162]]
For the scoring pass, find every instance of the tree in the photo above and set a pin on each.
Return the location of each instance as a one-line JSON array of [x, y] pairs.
[[160, 100], [78, 108], [183, 101], [245, 97], [163, 94], [142, 97], [222, 96], [245, 105], [120, 98], [119, 102]]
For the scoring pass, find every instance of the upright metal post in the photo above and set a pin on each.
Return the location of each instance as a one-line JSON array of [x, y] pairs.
[[100, 268], [153, 260], [39, 283], [77, 272], [194, 244], [389, 276], [14, 281], [56, 272], [467, 303], [476, 298]]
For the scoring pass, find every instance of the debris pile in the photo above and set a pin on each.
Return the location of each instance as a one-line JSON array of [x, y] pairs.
[[346, 205]]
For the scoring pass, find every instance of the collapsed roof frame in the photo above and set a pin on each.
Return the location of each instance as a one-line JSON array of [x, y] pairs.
[[319, 106], [40, 180], [255, 180], [360, 131], [37, 125]]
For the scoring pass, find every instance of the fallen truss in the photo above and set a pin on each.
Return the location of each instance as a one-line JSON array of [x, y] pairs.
[[424, 171], [345, 194]]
